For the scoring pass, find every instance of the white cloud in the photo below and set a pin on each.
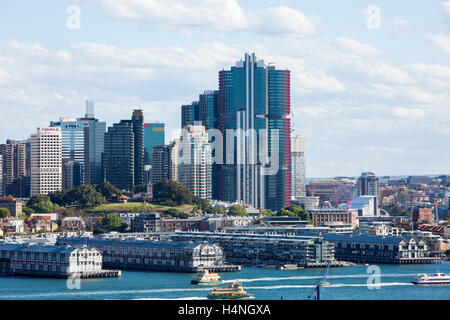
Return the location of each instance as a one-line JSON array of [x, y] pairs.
[[445, 8], [395, 22], [217, 14], [222, 15], [283, 20], [409, 113], [440, 40], [357, 47], [318, 81]]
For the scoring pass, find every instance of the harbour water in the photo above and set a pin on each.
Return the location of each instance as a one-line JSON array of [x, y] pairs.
[[265, 284]]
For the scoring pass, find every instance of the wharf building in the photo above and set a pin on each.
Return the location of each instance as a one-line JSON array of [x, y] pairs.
[[52, 261], [254, 249], [170, 256], [46, 160], [378, 249]]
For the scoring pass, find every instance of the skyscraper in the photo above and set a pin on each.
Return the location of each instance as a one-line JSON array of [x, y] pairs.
[[161, 163], [194, 166], [118, 156], [254, 101], [189, 114], [298, 188], [123, 157], [368, 185], [72, 133], [46, 160], [208, 109], [153, 136], [14, 168], [94, 143]]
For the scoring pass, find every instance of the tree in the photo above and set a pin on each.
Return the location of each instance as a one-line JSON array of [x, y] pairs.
[[140, 188], [216, 210], [237, 210], [45, 206], [36, 199], [60, 198], [85, 196], [111, 222], [109, 191], [294, 210], [172, 190], [28, 211], [4, 213], [267, 212]]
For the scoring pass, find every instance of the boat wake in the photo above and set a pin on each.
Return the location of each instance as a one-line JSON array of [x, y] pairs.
[[318, 277]]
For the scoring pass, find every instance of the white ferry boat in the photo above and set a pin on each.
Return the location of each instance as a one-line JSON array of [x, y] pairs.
[[432, 279]]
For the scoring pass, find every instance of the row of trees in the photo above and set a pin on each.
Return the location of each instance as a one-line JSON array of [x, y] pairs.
[[84, 196]]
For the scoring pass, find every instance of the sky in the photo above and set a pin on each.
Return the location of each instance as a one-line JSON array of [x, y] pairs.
[[370, 80]]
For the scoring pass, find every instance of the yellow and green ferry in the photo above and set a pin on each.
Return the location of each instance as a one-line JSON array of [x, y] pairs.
[[232, 291]]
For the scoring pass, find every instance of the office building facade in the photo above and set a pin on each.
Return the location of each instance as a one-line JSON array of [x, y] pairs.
[[254, 101], [153, 136], [194, 167], [46, 160]]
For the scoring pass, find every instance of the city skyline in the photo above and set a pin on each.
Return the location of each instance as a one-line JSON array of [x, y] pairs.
[[361, 100]]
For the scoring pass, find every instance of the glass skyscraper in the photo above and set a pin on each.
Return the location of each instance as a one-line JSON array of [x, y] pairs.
[[82, 142], [153, 136], [123, 158], [254, 100]]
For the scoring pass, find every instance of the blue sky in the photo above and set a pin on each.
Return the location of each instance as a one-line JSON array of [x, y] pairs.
[[365, 99]]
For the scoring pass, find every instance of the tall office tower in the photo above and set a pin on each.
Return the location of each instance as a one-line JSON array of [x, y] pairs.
[[71, 174], [123, 158], [118, 155], [137, 120], [94, 143], [46, 160], [14, 168], [254, 99], [72, 132], [174, 158], [161, 163], [189, 114], [194, 167], [298, 188], [208, 111], [368, 185], [153, 136]]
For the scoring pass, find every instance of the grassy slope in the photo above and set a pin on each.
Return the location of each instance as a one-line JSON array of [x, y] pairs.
[[131, 205]]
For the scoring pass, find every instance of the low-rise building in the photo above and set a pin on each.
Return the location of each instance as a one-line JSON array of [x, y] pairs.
[[255, 249], [12, 204], [50, 261], [377, 249], [157, 255], [149, 222], [13, 225], [73, 224], [322, 216]]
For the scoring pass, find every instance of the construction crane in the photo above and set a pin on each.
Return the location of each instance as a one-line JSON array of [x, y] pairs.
[[322, 283]]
